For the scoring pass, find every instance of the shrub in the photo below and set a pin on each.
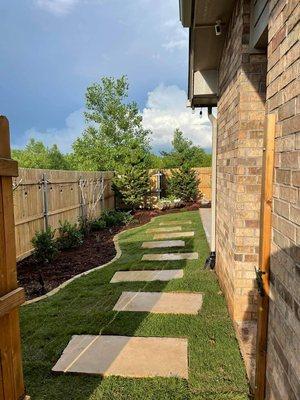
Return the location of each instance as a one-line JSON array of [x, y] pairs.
[[69, 236], [85, 226], [132, 187], [113, 218], [168, 202], [98, 224], [45, 246], [183, 184]]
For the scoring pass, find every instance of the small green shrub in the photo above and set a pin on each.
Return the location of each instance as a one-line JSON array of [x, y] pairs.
[[70, 236], [113, 218], [98, 224], [45, 246], [85, 226], [183, 184]]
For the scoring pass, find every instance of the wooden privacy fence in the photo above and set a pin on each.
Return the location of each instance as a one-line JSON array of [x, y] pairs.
[[203, 173], [11, 297], [44, 197]]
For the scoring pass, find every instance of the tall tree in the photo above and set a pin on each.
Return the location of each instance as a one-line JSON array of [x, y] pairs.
[[184, 153], [114, 128]]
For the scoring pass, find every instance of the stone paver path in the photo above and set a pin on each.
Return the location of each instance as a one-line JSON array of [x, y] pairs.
[[140, 356], [147, 276], [160, 302], [170, 257], [173, 235], [166, 229], [134, 357], [163, 243]]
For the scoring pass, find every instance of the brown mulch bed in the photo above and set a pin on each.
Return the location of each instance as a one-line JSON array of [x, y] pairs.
[[98, 248]]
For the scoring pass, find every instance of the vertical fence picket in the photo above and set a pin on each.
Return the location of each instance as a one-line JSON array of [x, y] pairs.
[[11, 297], [45, 201]]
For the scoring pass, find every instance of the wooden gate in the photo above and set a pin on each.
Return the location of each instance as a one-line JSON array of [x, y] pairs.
[[11, 374], [264, 257]]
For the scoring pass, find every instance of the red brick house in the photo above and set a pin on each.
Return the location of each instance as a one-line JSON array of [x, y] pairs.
[[244, 58]]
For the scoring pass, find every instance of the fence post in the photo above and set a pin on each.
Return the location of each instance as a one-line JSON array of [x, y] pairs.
[[158, 184], [102, 205], [11, 297], [45, 200], [80, 198]]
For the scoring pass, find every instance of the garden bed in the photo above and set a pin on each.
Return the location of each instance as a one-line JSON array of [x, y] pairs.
[[97, 249]]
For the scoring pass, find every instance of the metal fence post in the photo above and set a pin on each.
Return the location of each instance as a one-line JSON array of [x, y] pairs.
[[45, 200], [102, 193], [158, 184]]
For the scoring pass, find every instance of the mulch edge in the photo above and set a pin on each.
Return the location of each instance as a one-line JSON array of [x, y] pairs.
[[64, 284]]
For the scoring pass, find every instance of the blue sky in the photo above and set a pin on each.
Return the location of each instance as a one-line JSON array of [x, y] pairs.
[[51, 50]]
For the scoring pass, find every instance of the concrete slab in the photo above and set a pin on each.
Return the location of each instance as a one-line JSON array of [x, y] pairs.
[[165, 229], [163, 243], [174, 223], [170, 257], [173, 235], [134, 357], [160, 302], [147, 276], [205, 214]]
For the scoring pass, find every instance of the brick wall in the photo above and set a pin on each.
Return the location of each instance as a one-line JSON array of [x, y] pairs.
[[283, 99], [241, 114]]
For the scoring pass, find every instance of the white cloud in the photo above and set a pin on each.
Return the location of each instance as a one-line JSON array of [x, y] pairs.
[[57, 7], [63, 137], [176, 35], [166, 110]]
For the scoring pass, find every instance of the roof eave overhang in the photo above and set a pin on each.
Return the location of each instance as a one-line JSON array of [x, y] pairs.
[[204, 101], [185, 12], [205, 47]]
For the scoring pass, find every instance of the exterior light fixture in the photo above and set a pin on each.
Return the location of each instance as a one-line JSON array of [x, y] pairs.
[[218, 27]]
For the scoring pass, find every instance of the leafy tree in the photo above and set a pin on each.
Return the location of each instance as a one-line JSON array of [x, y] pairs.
[[184, 153], [37, 155], [115, 128], [156, 161], [57, 160]]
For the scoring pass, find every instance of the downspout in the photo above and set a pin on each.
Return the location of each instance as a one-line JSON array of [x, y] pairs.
[[211, 260]]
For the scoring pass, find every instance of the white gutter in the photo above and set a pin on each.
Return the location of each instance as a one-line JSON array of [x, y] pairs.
[[210, 262], [185, 12]]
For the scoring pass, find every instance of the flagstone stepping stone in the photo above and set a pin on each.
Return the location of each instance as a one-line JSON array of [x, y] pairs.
[[170, 257], [174, 223], [166, 229], [163, 243], [134, 357], [173, 235], [160, 302], [147, 276]]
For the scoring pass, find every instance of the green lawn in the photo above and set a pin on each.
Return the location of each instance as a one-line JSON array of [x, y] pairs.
[[85, 307]]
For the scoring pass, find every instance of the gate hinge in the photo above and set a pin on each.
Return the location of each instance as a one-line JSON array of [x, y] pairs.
[[260, 287]]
